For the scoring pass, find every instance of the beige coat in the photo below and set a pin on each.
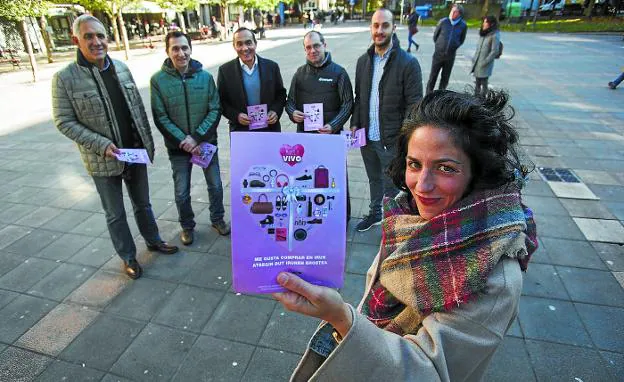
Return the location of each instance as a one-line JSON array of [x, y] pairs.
[[82, 111], [453, 346]]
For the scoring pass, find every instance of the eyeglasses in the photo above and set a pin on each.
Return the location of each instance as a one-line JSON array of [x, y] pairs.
[[316, 46]]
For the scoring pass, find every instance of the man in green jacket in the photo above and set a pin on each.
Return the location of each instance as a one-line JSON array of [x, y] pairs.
[[96, 103], [186, 110]]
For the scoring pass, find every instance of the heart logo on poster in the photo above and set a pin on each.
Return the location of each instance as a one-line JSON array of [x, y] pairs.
[[292, 154]]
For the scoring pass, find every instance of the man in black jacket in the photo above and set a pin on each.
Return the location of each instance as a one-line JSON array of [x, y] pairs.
[[321, 80], [449, 35], [388, 83], [250, 80]]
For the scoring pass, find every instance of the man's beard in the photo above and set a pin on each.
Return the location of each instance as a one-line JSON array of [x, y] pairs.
[[385, 42]]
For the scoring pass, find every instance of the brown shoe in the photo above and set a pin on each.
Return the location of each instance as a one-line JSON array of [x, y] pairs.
[[187, 236], [163, 247], [133, 269], [222, 227]]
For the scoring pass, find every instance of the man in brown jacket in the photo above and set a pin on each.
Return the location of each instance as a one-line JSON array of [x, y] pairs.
[[96, 103]]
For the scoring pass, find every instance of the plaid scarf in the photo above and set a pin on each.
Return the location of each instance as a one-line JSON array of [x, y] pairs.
[[434, 265]]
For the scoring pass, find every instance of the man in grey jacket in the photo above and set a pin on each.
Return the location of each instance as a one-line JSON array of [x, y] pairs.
[[388, 82], [449, 35], [96, 103]]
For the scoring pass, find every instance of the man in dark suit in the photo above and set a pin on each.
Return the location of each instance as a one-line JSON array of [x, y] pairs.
[[250, 80]]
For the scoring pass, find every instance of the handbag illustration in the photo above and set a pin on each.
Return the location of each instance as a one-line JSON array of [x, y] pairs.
[[321, 177], [262, 207]]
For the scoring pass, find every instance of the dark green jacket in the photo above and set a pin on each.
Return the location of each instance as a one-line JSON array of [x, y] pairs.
[[185, 105]]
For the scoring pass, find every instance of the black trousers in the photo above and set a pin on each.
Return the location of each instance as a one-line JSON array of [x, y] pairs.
[[446, 65]]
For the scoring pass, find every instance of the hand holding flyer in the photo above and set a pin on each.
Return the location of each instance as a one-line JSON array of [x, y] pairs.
[[207, 152], [133, 156], [356, 139], [313, 120], [259, 116]]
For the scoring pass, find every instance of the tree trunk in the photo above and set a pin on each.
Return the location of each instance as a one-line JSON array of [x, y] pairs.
[[43, 24], [589, 9], [124, 34], [113, 19], [182, 21], [29, 49], [485, 8]]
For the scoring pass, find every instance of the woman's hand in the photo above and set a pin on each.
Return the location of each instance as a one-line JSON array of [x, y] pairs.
[[315, 301]]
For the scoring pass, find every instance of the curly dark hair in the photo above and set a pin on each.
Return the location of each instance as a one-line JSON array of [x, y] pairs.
[[480, 126]]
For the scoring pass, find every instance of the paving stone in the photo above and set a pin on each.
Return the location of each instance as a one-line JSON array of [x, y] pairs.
[[11, 234], [241, 318], [69, 198], [619, 276], [610, 231], [542, 280], [572, 190], [114, 378], [95, 225], [156, 353], [604, 324], [64, 247], [353, 288], [33, 242], [6, 297], [211, 271], [9, 261], [94, 254], [205, 237], [360, 257], [552, 320], [615, 364], [608, 193], [213, 359], [112, 335], [171, 268], [572, 253], [63, 371], [288, 331], [372, 236], [558, 226], [586, 209], [539, 188], [99, 290], [20, 314], [604, 288], [515, 330], [556, 362], [66, 221], [57, 329], [544, 205], [511, 359], [222, 246], [189, 308], [21, 365], [616, 208], [268, 365], [612, 254], [45, 197], [57, 284], [597, 177], [93, 203], [142, 299], [39, 216], [28, 273], [22, 193]]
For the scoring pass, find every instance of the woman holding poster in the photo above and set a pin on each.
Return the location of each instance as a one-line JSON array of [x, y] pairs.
[[445, 285]]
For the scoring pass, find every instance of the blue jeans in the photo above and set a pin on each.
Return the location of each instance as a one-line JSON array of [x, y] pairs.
[[619, 79], [182, 169], [410, 40], [111, 195]]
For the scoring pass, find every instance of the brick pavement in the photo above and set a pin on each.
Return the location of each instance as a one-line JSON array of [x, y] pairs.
[[67, 310]]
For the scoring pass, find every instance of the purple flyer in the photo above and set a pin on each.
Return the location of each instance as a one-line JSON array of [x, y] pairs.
[[133, 156], [354, 140], [288, 209], [207, 151], [258, 115], [313, 120]]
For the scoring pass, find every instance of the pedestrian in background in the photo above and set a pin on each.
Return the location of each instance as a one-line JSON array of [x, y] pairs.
[[449, 35], [613, 84], [488, 47], [412, 29], [96, 103]]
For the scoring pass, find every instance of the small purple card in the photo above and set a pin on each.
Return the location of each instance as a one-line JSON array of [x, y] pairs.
[[133, 156], [207, 151], [258, 115], [313, 120], [355, 139], [288, 204]]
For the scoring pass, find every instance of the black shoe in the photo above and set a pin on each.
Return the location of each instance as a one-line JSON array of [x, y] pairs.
[[612, 85], [408, 50], [187, 236], [315, 221], [304, 177], [133, 269], [163, 247], [417, 47], [268, 220], [367, 222]]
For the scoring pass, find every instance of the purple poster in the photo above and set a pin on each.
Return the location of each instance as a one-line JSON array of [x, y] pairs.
[[258, 115], [313, 119], [207, 151], [354, 140], [288, 209]]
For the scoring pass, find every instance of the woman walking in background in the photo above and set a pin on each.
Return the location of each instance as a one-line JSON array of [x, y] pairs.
[[487, 51]]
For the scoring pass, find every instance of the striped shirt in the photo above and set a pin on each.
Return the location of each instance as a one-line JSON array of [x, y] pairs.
[[379, 62]]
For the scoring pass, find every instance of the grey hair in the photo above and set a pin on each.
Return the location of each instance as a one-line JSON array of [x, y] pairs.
[[460, 8], [83, 19]]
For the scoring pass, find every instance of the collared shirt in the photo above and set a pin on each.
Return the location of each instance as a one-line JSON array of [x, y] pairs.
[[379, 62], [246, 68], [107, 64]]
